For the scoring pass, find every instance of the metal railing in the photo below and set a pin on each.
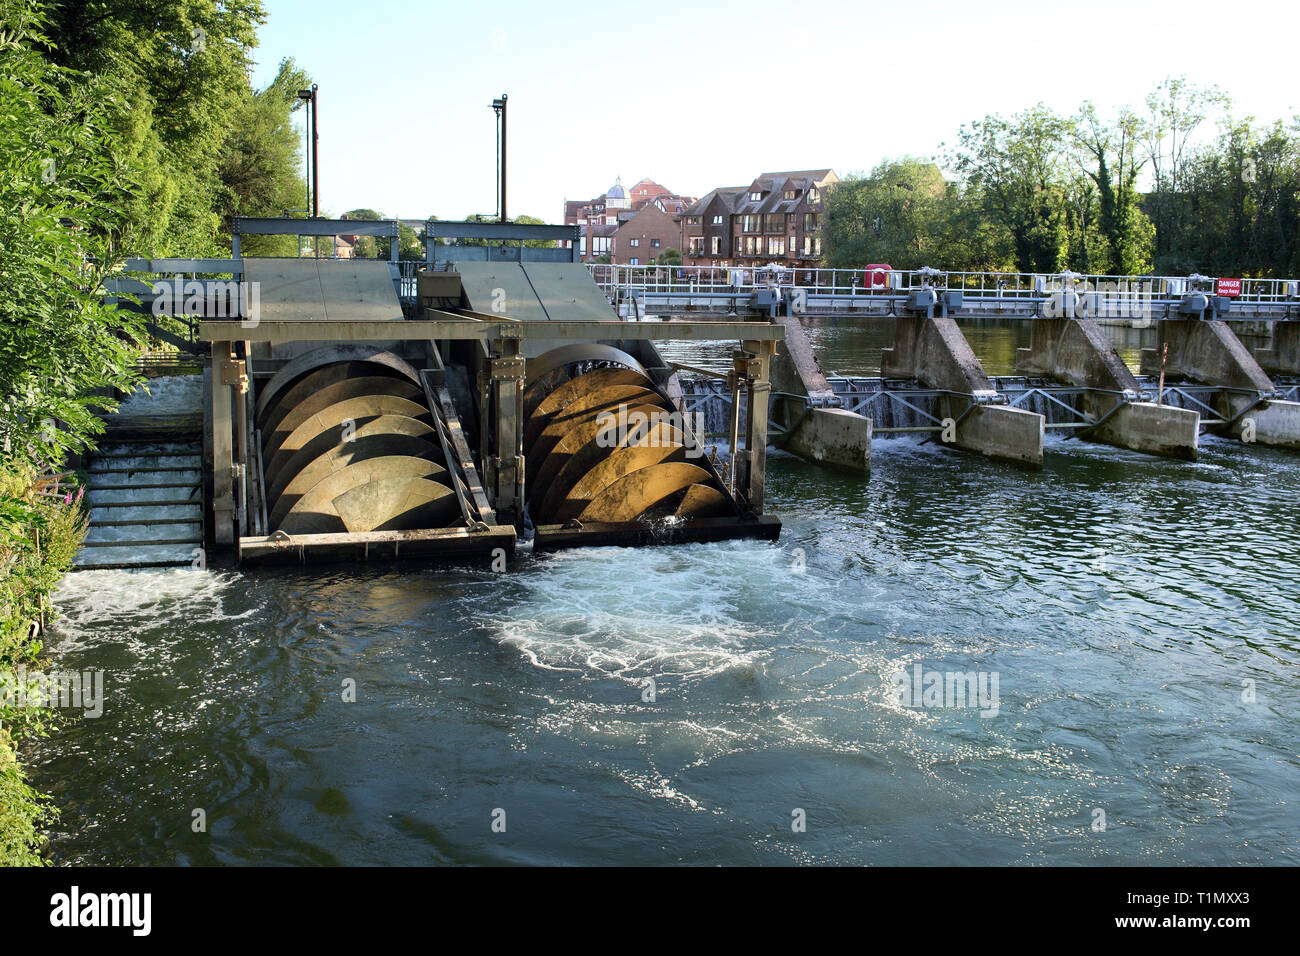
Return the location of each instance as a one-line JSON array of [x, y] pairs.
[[685, 279]]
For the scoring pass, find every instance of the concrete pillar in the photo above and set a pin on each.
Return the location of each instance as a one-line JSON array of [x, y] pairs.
[[1079, 352], [755, 361], [834, 437], [1283, 358], [842, 439], [934, 352], [1209, 352]]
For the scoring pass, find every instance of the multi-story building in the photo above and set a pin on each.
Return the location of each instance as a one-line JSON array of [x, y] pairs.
[[706, 228], [776, 218], [643, 236], [598, 219]]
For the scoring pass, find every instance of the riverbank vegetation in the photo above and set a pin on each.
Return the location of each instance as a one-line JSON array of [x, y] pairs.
[[1183, 185], [42, 524], [125, 129]]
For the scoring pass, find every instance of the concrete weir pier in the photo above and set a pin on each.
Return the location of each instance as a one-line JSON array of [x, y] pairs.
[[1283, 356], [1207, 351], [817, 430], [932, 350], [1079, 352]]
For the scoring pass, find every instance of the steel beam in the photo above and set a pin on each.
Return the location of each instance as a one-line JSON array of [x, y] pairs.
[[280, 331]]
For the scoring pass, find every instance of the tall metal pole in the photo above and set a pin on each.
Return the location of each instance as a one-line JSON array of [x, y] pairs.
[[500, 106], [315, 154], [504, 215]]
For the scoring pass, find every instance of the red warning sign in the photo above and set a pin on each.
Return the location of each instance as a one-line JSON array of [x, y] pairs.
[[1228, 287]]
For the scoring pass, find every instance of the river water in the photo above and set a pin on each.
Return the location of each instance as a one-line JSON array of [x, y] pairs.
[[1138, 617]]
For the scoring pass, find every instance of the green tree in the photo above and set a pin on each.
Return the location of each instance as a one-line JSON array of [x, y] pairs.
[[1175, 110], [1108, 154], [669, 257], [175, 72], [897, 214], [1017, 167], [63, 233], [261, 163]]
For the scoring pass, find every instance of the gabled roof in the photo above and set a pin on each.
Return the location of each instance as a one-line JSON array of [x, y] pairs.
[[816, 175], [727, 193]]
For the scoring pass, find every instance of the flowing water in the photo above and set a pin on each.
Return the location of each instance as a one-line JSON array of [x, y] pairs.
[[1138, 616]]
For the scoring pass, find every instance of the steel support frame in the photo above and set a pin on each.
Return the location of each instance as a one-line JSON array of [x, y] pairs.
[[506, 467]]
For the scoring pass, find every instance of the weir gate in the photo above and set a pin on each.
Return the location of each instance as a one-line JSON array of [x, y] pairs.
[[363, 409]]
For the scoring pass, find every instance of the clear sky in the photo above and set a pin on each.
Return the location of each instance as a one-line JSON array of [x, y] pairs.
[[703, 94]]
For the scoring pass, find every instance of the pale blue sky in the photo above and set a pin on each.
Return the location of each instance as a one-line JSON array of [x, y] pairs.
[[699, 94]]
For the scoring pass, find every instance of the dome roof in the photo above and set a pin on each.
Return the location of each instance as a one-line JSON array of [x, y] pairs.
[[616, 190]]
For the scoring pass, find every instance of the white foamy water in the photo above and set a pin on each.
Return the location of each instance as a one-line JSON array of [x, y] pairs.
[[91, 604], [169, 395], [633, 612]]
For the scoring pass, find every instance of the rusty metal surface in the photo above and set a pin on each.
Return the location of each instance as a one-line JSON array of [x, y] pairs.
[[583, 440], [279, 426], [358, 411]]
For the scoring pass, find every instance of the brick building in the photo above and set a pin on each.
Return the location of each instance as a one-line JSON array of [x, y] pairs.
[[776, 218], [599, 219], [643, 236], [706, 228]]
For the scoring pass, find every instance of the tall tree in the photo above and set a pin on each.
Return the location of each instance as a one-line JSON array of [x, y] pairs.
[[1109, 155], [1175, 110], [63, 231], [1018, 168], [260, 167]]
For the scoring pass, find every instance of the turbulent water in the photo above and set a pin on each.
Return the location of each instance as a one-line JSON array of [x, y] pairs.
[[1139, 616]]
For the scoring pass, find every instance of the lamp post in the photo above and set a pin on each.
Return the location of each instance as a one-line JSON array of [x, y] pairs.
[[499, 105], [313, 150]]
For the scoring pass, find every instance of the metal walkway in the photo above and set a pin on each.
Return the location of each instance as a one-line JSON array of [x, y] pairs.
[[1139, 300]]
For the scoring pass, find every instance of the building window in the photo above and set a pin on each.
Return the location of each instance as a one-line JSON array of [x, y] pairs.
[[792, 194], [695, 246], [634, 261], [717, 245], [774, 222], [717, 220], [810, 222], [755, 197], [776, 246], [654, 243], [652, 262], [634, 242]]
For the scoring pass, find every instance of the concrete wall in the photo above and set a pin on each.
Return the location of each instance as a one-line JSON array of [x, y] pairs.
[[1210, 353], [842, 439], [934, 352], [1284, 356], [1079, 352], [834, 437]]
